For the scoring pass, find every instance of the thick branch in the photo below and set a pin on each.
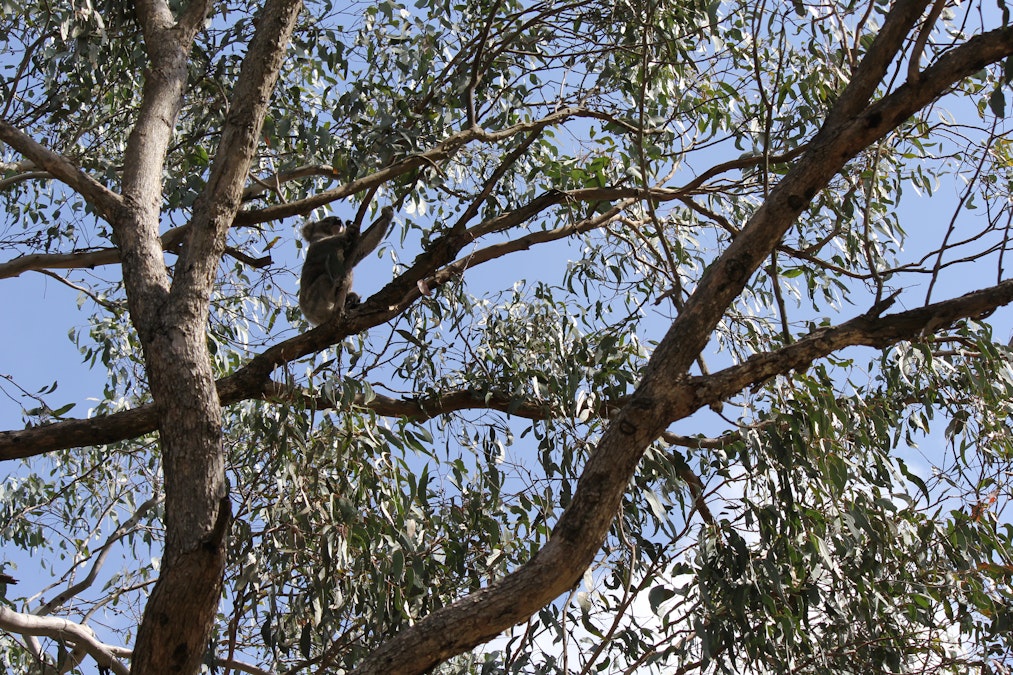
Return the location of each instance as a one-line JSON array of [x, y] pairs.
[[105, 201], [218, 203], [63, 631], [136, 226], [864, 330], [694, 394], [36, 262], [582, 527], [179, 613]]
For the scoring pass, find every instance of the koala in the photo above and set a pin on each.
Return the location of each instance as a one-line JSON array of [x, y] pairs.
[[327, 272], [335, 248]]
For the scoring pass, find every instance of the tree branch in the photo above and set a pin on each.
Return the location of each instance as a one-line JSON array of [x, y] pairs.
[[443, 151], [218, 202], [65, 631], [22, 177], [274, 182], [37, 262], [582, 527], [106, 202], [458, 267], [694, 393], [103, 552], [179, 612]]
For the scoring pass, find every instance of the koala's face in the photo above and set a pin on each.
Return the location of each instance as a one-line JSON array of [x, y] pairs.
[[322, 229]]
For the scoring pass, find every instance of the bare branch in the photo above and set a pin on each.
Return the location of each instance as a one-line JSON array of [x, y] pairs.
[[80, 289], [243, 667], [23, 177], [833, 146], [693, 481], [257, 263], [64, 631], [274, 182], [476, 65], [914, 61], [36, 262], [77, 433]]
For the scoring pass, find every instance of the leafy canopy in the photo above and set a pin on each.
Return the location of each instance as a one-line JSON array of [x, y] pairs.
[[564, 176]]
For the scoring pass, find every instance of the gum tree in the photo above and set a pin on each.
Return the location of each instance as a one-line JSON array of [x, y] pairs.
[[609, 397]]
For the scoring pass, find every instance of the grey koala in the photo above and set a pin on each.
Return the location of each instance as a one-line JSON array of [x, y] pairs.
[[335, 248]]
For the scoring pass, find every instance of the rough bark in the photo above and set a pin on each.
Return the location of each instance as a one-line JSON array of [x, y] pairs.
[[167, 642], [171, 322]]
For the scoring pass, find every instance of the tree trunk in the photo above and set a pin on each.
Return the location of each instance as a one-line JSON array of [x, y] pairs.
[[172, 322]]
